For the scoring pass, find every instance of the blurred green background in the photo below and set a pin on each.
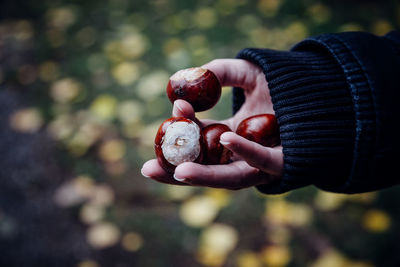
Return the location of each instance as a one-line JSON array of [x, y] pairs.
[[93, 75]]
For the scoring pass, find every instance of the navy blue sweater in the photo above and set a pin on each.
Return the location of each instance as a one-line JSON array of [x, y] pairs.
[[336, 98]]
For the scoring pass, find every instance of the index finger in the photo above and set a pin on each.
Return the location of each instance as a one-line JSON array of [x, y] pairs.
[[235, 72]]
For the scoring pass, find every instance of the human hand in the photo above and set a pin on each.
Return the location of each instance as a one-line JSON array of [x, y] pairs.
[[253, 164]]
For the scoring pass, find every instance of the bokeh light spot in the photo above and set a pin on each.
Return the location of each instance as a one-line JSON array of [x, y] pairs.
[[126, 73], [276, 255], [319, 13], [219, 237], [269, 7], [88, 263], [179, 192], [381, 27], [134, 45], [327, 201], [130, 111], [62, 17], [112, 150], [198, 211], [65, 90], [205, 18], [248, 259], [23, 30], [102, 235], [376, 221], [27, 120], [104, 107], [132, 241], [216, 242], [152, 85], [279, 211], [91, 213]]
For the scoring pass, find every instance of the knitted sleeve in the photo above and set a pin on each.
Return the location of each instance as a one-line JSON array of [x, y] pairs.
[[334, 98]]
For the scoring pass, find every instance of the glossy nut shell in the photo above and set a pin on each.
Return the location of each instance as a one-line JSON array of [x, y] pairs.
[[200, 87], [261, 128]]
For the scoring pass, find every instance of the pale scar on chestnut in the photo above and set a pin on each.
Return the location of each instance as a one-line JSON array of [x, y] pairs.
[[178, 140]]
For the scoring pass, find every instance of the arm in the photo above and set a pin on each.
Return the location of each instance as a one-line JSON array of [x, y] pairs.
[[335, 99]]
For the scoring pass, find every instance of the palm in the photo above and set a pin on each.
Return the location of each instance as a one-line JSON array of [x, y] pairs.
[[257, 101]]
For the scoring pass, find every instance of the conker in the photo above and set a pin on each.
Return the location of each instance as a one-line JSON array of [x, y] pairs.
[[261, 128], [178, 140], [215, 153], [181, 140], [198, 86]]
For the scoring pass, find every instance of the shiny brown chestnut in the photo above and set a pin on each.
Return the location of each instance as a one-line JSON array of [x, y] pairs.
[[216, 153], [261, 128], [178, 140], [198, 86]]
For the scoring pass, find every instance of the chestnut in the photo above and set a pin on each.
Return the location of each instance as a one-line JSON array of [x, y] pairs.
[[178, 140], [198, 86], [215, 152], [261, 128]]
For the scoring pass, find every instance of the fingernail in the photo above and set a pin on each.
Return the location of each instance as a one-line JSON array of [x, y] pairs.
[[179, 179], [176, 103], [141, 171], [223, 141]]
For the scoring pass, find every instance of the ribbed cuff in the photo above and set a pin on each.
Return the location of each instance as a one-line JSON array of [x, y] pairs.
[[315, 114]]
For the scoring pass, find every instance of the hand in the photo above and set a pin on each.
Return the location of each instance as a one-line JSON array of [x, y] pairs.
[[253, 164]]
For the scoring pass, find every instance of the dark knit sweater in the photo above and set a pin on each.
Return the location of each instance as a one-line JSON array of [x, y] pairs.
[[336, 98]]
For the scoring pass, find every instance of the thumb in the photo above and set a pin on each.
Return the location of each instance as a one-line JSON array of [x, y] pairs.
[[182, 108]]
